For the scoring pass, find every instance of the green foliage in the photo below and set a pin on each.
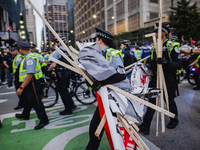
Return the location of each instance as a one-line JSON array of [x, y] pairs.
[[122, 36], [132, 37], [187, 20]]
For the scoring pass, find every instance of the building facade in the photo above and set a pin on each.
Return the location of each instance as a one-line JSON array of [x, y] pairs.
[[12, 13], [85, 24], [30, 22], [56, 15], [119, 16], [70, 15]]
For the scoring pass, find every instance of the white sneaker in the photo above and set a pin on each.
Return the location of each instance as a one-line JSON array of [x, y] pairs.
[[11, 87], [4, 82]]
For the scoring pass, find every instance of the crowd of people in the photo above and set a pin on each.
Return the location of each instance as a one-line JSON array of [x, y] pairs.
[[26, 66]]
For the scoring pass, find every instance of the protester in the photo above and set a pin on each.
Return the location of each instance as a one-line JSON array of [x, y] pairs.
[[7, 62], [170, 63]]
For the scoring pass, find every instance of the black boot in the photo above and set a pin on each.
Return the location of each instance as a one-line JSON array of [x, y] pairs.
[[0, 124], [143, 130], [173, 123]]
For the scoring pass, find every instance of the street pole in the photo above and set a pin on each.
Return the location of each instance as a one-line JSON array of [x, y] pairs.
[[172, 13], [47, 14]]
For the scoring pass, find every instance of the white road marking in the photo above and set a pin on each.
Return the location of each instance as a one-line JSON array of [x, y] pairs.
[[64, 138], [3, 100], [8, 93]]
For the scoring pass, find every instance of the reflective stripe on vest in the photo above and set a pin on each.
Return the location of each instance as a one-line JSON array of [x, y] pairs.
[[14, 64], [113, 52], [23, 72], [138, 54], [170, 45], [197, 61]]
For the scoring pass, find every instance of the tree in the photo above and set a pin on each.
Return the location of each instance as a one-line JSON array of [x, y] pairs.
[[187, 20]]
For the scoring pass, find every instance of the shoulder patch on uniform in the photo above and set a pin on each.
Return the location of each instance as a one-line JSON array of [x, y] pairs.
[[19, 59], [29, 62], [176, 49]]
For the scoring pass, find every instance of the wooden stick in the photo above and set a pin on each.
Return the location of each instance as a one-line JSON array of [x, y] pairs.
[[79, 45], [128, 129], [131, 118], [100, 126], [150, 35], [170, 114], [52, 30], [142, 142], [165, 90], [64, 65], [135, 127], [128, 67], [160, 66], [74, 50]]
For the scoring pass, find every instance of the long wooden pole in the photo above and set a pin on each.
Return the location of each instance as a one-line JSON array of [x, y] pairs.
[[160, 66], [128, 67]]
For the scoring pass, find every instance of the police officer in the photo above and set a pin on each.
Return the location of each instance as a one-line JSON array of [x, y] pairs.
[[146, 51], [128, 56], [63, 78], [40, 57], [171, 61], [28, 74], [17, 60], [105, 41]]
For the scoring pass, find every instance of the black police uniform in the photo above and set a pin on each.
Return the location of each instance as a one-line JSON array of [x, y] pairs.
[[29, 96], [128, 57], [63, 78], [169, 70]]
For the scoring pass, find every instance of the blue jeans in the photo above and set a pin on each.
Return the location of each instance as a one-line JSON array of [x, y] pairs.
[[9, 77]]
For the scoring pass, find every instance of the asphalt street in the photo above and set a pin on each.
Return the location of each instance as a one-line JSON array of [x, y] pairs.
[[16, 133]]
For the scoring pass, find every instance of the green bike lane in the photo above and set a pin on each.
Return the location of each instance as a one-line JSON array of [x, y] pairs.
[[63, 132]]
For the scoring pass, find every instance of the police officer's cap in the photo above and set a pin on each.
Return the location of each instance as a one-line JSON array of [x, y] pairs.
[[36, 51], [45, 50], [104, 34], [32, 45], [23, 45], [51, 48], [125, 42], [13, 49], [164, 28]]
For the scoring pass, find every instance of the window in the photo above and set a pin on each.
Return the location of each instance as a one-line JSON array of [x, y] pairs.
[[153, 15], [153, 1]]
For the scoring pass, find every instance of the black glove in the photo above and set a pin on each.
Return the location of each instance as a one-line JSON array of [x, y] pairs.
[[162, 61], [148, 65], [96, 85]]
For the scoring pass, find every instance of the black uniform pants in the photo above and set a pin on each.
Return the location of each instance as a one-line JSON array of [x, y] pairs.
[[172, 105], [196, 77], [94, 141], [17, 85], [62, 87], [30, 102]]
